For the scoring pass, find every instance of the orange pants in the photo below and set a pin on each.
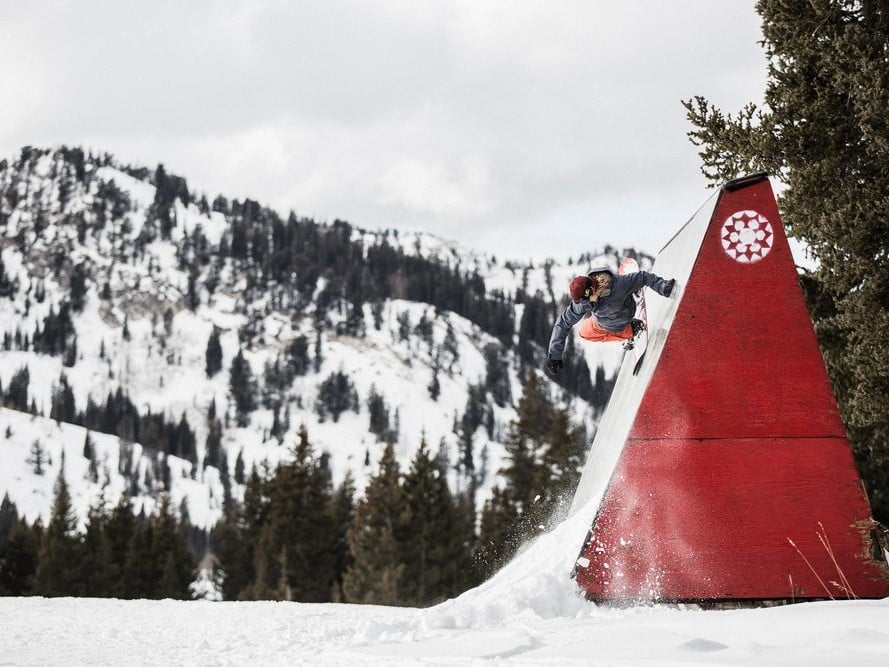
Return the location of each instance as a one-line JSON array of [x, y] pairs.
[[590, 330]]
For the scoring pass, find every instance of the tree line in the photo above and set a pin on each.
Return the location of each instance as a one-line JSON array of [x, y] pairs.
[[119, 553], [410, 539], [293, 535]]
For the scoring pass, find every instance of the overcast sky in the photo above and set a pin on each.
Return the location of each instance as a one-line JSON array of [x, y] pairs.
[[525, 129]]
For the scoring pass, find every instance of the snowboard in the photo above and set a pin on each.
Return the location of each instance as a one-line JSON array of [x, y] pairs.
[[638, 343]]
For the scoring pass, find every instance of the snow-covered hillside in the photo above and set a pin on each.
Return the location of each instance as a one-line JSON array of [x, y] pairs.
[[148, 298]]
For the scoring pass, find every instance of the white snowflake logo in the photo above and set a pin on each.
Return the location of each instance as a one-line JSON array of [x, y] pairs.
[[747, 236]]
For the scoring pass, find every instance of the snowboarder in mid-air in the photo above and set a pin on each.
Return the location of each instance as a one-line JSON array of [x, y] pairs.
[[604, 304]]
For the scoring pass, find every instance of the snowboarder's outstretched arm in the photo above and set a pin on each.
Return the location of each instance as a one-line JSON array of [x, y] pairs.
[[569, 317], [660, 285]]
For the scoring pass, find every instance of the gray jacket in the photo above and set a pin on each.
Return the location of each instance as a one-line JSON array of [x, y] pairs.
[[612, 311]]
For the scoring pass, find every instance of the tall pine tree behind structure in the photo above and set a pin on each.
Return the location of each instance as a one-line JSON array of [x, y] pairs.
[[824, 134]]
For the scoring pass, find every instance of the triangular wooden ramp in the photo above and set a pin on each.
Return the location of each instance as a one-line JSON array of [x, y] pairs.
[[722, 470]]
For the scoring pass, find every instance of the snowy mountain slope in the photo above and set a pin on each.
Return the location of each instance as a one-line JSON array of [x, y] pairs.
[[61, 446], [152, 282]]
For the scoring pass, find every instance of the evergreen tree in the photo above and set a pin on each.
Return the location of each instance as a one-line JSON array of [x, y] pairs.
[[497, 375], [319, 349], [119, 529], [7, 286], [213, 355], [213, 454], [575, 377], [182, 441], [239, 468], [141, 571], [18, 559], [545, 458], [343, 512], [78, 287], [89, 447], [602, 388], [524, 449], [38, 458], [164, 194], [379, 416], [238, 537], [17, 392], [336, 394], [498, 537], [69, 355], [58, 570], [157, 562], [376, 539], [9, 516], [563, 459], [63, 407], [404, 326], [169, 551], [468, 536], [355, 325], [242, 387], [229, 550], [193, 296], [823, 133], [450, 348], [98, 572], [436, 558], [295, 553], [434, 387], [298, 356]]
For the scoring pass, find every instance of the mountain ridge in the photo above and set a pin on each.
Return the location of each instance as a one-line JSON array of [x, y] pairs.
[[115, 278]]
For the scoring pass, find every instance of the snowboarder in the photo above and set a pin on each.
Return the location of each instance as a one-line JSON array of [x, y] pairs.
[[602, 301]]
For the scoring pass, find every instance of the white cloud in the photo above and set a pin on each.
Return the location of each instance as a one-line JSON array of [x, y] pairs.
[[463, 118], [437, 189]]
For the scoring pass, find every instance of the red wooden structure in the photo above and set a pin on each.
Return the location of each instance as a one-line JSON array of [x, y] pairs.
[[732, 474]]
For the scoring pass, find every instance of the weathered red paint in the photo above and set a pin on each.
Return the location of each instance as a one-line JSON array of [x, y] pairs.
[[737, 449]]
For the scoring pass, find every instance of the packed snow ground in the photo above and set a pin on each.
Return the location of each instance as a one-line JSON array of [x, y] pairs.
[[530, 613], [76, 632]]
